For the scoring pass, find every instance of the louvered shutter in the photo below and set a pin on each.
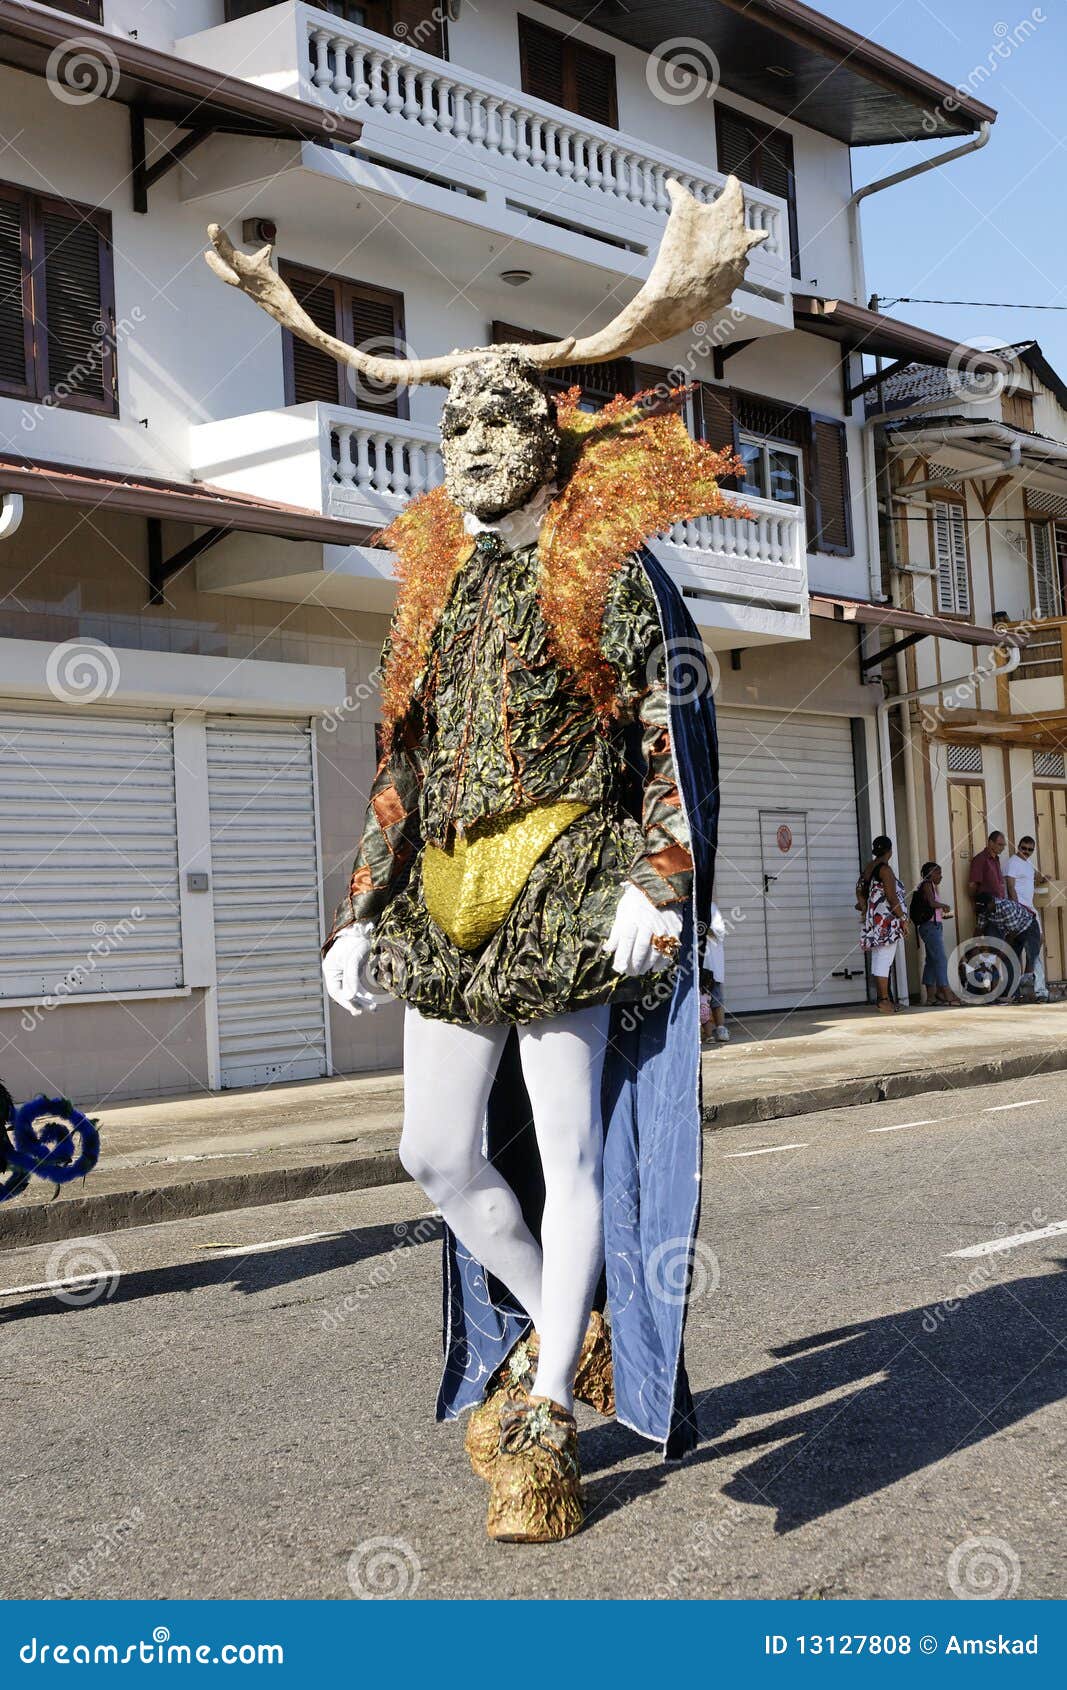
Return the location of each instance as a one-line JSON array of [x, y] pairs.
[[89, 898], [77, 311], [950, 558], [762, 157], [312, 375], [593, 74], [1046, 584], [599, 382], [265, 877], [829, 508], [420, 23], [373, 322], [716, 422], [542, 53], [16, 330]]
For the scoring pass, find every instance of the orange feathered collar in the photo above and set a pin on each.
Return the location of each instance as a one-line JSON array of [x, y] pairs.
[[626, 473]]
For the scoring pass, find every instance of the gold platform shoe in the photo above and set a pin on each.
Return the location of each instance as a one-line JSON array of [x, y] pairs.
[[593, 1384], [537, 1484]]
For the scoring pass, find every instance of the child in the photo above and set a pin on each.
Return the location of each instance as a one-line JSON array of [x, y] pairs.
[[712, 1011]]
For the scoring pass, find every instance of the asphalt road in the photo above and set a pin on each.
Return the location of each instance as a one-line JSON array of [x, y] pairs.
[[881, 1417]]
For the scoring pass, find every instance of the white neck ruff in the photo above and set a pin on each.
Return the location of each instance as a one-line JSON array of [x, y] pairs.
[[516, 528]]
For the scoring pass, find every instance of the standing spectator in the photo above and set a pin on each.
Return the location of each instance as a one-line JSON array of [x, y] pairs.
[[928, 912], [985, 878], [713, 974], [885, 920], [1021, 874]]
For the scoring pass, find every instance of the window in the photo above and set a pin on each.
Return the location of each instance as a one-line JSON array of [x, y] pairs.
[[1046, 549], [762, 157], [964, 759], [1050, 765], [950, 558], [1018, 410], [814, 473], [416, 23], [91, 11], [569, 73], [771, 471], [57, 302], [368, 317]]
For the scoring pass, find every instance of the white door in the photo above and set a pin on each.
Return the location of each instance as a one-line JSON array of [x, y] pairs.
[[789, 933], [89, 899], [265, 872], [785, 766]]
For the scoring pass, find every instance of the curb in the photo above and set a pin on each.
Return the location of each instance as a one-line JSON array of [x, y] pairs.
[[81, 1217]]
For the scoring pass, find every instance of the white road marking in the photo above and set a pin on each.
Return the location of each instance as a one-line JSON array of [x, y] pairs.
[[997, 1108], [769, 1150], [995, 1245], [271, 1244], [900, 1125], [60, 1284]]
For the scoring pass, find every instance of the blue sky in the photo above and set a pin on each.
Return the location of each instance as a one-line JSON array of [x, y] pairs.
[[992, 226]]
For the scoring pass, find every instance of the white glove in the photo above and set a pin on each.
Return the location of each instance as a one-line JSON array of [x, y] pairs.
[[344, 968], [637, 921]]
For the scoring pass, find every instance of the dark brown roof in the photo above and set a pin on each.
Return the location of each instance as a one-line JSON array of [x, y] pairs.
[[196, 502], [908, 621], [785, 55], [887, 337], [161, 85]]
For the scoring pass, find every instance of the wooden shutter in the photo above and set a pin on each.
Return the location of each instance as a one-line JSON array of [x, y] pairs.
[[311, 375], [950, 557], [1046, 570], [16, 324], [594, 84], [418, 23], [542, 57], [91, 10], [373, 320], [75, 334], [829, 505], [716, 422], [564, 72], [762, 157], [364, 316]]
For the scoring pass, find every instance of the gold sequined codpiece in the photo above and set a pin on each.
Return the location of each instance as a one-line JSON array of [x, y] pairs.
[[470, 884]]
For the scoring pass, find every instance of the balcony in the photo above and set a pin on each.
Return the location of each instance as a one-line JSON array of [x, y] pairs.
[[440, 137], [745, 580], [1037, 684]]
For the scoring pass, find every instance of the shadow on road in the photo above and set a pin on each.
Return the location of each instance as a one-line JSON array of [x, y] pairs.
[[261, 1271], [927, 1382]]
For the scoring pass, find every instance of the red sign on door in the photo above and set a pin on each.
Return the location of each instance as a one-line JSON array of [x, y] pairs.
[[785, 838]]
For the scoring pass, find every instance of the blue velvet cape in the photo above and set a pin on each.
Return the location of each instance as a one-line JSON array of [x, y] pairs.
[[652, 1122]]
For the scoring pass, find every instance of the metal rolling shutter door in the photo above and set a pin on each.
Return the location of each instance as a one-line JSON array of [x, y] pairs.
[[788, 763], [88, 856], [265, 873]]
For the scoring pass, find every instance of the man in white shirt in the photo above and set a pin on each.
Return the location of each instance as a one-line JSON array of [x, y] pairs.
[[1021, 874]]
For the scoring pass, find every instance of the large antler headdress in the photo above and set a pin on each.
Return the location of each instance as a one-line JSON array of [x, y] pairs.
[[701, 261]]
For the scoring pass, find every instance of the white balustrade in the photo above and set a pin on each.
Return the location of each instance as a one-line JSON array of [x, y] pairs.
[[379, 464], [371, 459], [351, 67]]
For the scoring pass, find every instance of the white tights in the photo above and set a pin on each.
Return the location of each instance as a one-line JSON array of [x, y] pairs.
[[448, 1075]]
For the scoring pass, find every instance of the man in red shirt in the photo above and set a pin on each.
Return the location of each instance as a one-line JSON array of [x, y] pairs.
[[985, 876]]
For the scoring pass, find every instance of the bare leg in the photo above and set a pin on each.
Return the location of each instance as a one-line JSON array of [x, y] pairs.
[[562, 1062], [448, 1075]]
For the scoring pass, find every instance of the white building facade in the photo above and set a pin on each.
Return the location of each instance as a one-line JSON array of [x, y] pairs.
[[191, 605]]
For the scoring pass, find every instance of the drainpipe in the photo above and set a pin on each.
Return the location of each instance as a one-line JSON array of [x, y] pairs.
[[11, 510], [920, 169], [885, 768]]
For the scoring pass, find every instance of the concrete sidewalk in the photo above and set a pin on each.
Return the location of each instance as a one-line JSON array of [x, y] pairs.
[[213, 1152]]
